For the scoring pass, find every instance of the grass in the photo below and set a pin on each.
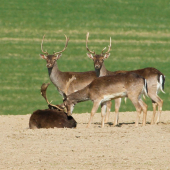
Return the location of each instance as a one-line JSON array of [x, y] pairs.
[[140, 38]]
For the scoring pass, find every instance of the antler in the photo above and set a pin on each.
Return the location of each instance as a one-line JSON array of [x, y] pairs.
[[108, 48], [42, 46], [87, 36], [44, 88], [103, 50], [67, 39], [68, 83], [43, 93]]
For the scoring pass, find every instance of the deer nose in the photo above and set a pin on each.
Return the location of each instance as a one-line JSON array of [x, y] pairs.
[[48, 65], [97, 66], [69, 113]]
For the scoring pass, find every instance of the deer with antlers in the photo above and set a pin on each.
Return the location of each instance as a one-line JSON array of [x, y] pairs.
[[55, 116], [107, 88], [155, 80], [59, 78]]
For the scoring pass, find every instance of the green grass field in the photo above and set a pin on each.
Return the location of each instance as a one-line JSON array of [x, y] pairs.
[[140, 32]]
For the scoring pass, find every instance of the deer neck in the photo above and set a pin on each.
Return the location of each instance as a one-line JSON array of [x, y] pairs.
[[56, 76], [80, 95], [102, 71]]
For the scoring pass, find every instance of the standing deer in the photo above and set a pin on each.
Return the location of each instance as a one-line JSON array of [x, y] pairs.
[[155, 80], [106, 88], [59, 78]]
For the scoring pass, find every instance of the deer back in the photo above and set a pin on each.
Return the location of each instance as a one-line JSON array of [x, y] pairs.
[[120, 83]]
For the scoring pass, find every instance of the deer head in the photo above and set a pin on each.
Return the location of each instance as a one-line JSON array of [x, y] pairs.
[[69, 106], [98, 58], [51, 59], [62, 106]]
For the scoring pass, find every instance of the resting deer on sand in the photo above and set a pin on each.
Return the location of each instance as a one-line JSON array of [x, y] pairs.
[[52, 117]]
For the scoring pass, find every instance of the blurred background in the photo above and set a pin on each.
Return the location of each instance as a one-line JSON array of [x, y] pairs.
[[140, 32]]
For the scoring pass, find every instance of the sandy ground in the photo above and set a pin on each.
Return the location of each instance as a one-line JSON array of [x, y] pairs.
[[122, 147]]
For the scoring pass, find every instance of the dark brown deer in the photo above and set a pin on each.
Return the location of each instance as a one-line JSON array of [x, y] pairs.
[[59, 78], [106, 88], [155, 80], [52, 117]]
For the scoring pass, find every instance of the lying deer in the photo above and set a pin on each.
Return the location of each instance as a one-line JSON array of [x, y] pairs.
[[106, 88], [59, 78], [52, 117], [48, 118], [155, 80]]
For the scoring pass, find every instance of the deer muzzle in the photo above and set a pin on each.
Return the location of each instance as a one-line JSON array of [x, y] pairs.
[[97, 66], [48, 65]]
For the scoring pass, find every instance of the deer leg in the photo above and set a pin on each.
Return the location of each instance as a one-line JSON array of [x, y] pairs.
[[103, 112], [154, 105], [159, 102], [117, 106], [93, 111], [109, 105], [144, 108], [159, 110], [138, 108]]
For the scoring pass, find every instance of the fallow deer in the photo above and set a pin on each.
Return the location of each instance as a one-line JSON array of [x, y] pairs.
[[52, 117], [155, 80], [59, 78], [106, 88]]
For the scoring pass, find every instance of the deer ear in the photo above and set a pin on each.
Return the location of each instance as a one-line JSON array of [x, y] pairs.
[[43, 56], [58, 56], [106, 56], [90, 55]]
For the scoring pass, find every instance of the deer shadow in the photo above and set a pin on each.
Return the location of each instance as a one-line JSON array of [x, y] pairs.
[[124, 123]]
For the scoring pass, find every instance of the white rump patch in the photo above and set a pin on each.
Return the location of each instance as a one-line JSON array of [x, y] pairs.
[[159, 85], [144, 91]]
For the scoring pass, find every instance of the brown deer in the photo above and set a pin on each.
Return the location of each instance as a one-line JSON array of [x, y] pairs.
[[106, 88], [52, 117], [155, 80], [60, 78]]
